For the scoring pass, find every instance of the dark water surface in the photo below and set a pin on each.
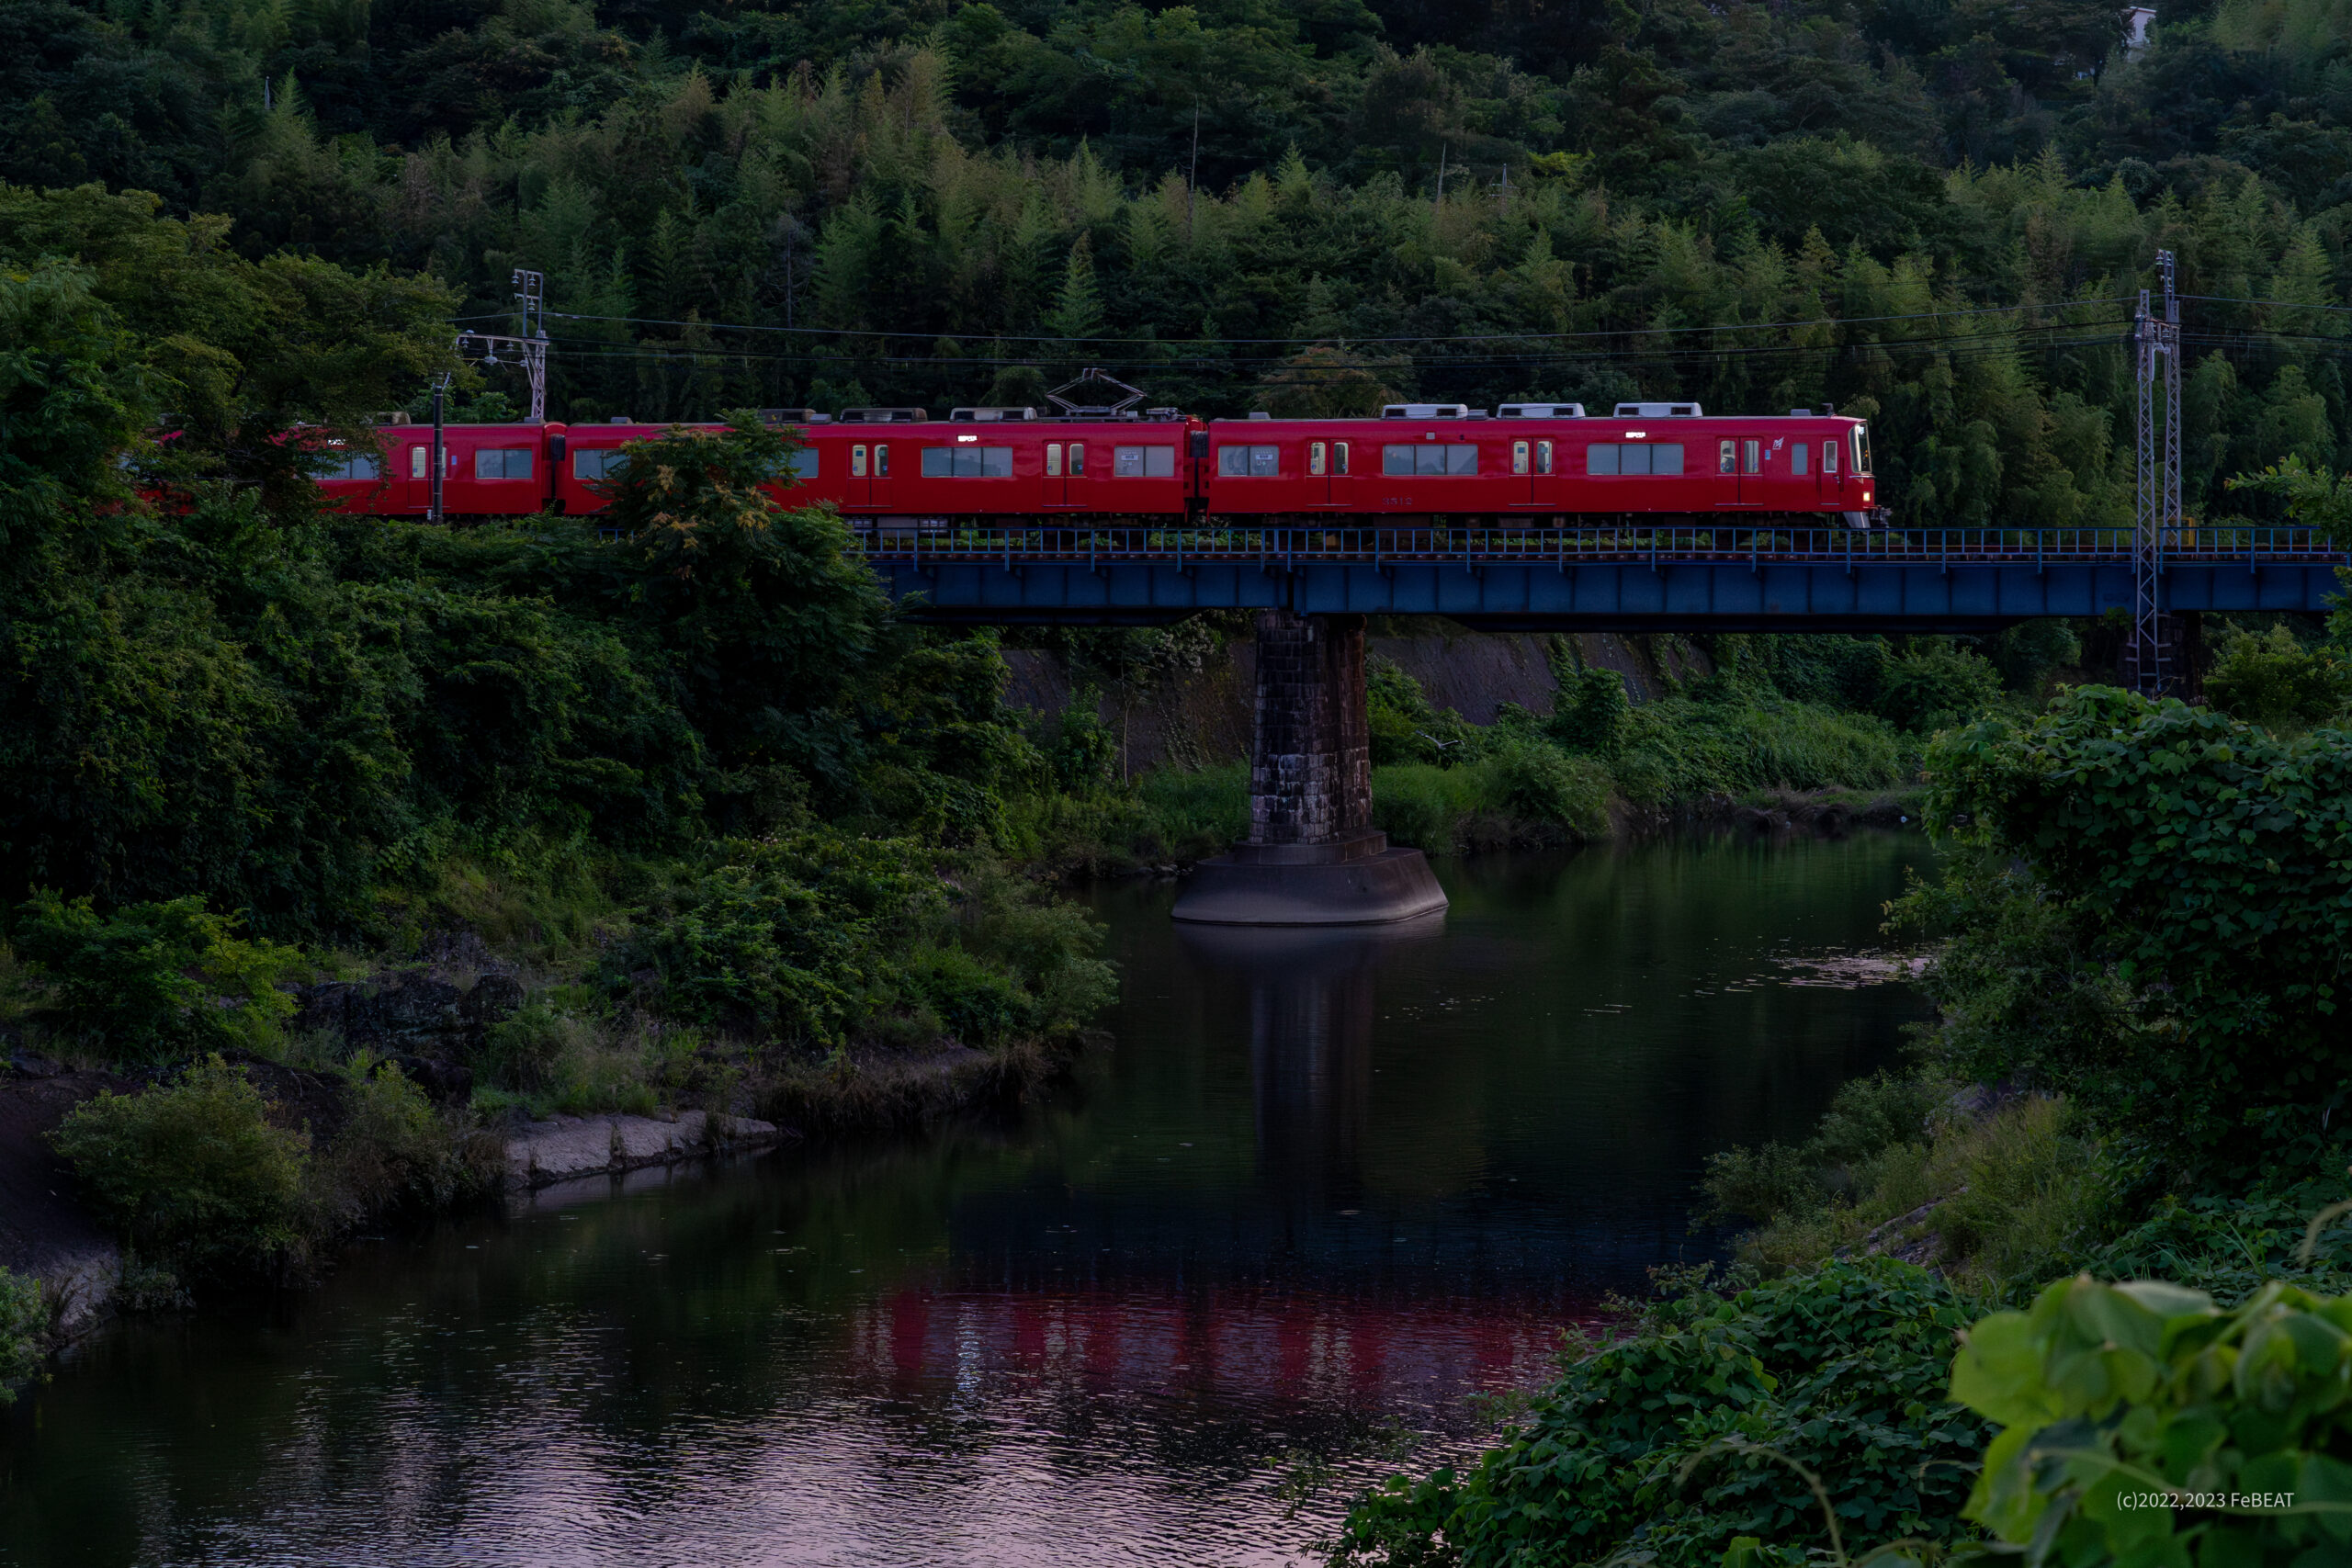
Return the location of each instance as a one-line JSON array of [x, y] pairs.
[[1321, 1191]]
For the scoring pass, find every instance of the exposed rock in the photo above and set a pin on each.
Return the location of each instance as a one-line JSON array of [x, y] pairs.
[[445, 1083], [45, 1232], [543, 1153], [412, 1013]]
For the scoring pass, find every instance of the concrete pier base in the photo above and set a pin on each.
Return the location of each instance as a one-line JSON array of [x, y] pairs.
[[1313, 857], [1359, 881]]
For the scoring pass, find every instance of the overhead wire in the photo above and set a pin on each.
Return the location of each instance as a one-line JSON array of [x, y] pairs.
[[1391, 338]]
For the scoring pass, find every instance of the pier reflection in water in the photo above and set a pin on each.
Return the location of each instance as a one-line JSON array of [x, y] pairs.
[[1323, 1184], [1311, 1005]]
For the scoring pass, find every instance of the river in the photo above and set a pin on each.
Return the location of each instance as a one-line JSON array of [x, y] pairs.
[[1320, 1193]]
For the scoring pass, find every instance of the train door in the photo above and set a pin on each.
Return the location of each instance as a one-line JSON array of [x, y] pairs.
[[1329, 482], [861, 473], [877, 489], [413, 472], [1534, 463], [1057, 481], [1723, 488], [1752, 470], [1831, 483]]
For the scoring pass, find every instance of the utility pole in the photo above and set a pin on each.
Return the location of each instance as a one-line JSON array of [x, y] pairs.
[[1436, 203], [440, 461], [2158, 488], [530, 293]]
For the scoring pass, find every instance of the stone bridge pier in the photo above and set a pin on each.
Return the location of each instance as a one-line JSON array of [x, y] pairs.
[[1313, 857]]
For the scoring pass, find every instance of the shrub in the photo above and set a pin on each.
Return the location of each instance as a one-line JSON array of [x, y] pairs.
[[2111, 1396], [2199, 862], [1538, 782], [1589, 713], [1935, 685], [977, 1003], [1986, 1199], [192, 1173], [393, 1151], [1673, 1442], [1423, 805], [2272, 680], [1078, 747], [152, 982], [23, 1332], [1404, 728]]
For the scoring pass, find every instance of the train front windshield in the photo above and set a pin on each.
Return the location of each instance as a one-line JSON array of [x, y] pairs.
[[1862, 450]]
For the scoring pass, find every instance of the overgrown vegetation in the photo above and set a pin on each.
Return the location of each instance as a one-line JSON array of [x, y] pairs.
[[694, 799], [1684, 1434]]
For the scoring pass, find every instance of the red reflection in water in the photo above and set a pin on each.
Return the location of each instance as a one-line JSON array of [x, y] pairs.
[[1221, 1342]]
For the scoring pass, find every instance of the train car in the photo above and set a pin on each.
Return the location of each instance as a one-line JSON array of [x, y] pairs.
[[914, 469], [490, 471], [1443, 460], [979, 463]]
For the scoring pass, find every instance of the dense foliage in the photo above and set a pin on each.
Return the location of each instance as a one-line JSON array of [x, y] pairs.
[[2124, 1409], [1699, 1427], [2191, 875]]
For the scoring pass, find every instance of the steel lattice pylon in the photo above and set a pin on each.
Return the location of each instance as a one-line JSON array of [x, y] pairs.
[[530, 347], [2159, 515]]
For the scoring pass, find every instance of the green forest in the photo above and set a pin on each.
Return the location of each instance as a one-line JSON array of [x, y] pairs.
[[1936, 213]]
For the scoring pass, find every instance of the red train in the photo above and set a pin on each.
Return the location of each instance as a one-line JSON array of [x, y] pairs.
[[901, 469]]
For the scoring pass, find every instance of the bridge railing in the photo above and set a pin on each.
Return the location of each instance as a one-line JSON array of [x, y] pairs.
[[1717, 542]]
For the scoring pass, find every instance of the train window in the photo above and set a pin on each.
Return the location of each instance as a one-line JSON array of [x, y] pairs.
[[1052, 459], [1751, 456], [857, 461], [1518, 456], [1430, 458], [1315, 458], [1634, 457], [420, 459], [803, 463], [1078, 457], [1339, 457], [1829, 457], [358, 466], [1862, 449], [600, 462], [1143, 462], [503, 463], [965, 462], [1542, 457], [1248, 462], [1724, 459], [1799, 451]]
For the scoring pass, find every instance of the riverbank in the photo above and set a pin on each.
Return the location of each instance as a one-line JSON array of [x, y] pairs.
[[50, 1231]]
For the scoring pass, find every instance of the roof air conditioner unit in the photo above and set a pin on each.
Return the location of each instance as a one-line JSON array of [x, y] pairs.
[[989, 415], [1542, 411], [1659, 410], [885, 416], [1425, 410]]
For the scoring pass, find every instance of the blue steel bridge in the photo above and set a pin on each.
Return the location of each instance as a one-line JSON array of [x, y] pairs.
[[1627, 575]]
